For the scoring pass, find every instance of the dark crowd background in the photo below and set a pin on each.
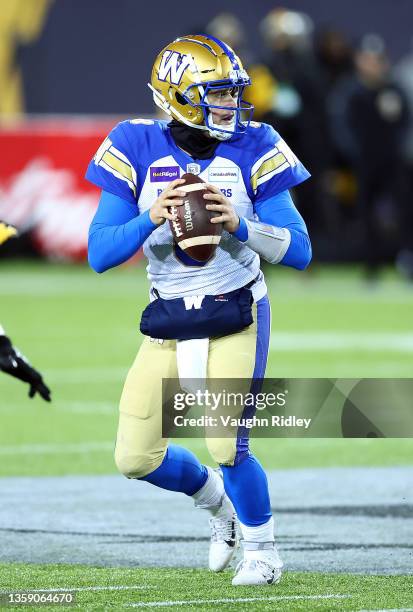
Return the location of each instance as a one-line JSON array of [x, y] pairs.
[[335, 79]]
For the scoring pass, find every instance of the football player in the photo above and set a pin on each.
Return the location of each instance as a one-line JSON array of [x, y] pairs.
[[199, 82], [11, 360]]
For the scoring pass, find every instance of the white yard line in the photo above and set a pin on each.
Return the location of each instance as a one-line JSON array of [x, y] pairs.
[[76, 589], [387, 610], [61, 449], [185, 602], [341, 341]]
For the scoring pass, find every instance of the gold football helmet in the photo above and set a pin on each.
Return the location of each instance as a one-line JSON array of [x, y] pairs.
[[190, 68], [6, 231]]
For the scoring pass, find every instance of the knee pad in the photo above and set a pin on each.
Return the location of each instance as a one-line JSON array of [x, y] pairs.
[[222, 450], [137, 465]]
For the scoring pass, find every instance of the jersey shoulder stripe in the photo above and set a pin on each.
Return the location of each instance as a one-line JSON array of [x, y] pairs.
[[274, 160], [118, 164], [115, 162]]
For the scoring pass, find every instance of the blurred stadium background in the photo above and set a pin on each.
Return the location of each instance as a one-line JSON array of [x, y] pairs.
[[336, 82], [336, 79]]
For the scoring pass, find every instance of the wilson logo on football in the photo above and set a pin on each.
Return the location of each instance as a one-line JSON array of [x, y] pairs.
[[188, 216], [191, 226]]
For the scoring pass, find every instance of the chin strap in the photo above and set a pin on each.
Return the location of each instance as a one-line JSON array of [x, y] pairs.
[[217, 133]]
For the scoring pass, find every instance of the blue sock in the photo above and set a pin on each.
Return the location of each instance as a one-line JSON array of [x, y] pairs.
[[179, 471], [247, 487]]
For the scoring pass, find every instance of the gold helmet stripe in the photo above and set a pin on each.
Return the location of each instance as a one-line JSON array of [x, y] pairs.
[[198, 42]]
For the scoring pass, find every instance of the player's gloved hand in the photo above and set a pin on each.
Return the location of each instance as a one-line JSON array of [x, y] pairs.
[[221, 204], [15, 364], [170, 196]]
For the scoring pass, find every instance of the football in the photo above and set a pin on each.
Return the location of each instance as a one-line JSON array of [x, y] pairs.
[[192, 228]]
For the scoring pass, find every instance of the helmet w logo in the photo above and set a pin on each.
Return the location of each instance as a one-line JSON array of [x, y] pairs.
[[173, 66]]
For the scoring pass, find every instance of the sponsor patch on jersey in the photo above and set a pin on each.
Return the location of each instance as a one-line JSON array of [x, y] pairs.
[[193, 168], [223, 175], [164, 173]]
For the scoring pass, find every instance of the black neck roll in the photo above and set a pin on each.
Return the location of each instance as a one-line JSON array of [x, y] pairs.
[[197, 143]]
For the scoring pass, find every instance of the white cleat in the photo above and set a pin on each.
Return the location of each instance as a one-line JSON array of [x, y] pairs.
[[224, 541], [223, 523], [263, 569]]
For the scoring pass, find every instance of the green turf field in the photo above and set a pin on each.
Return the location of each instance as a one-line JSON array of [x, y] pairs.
[[81, 330], [183, 589]]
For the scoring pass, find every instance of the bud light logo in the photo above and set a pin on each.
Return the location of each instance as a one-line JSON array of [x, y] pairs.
[[164, 173]]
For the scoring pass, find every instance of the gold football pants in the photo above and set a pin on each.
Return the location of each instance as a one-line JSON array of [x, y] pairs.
[[140, 448]]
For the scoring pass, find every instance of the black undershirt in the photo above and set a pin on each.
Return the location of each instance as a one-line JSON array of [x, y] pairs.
[[195, 142]]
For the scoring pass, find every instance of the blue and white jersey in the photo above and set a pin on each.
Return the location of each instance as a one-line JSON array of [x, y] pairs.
[[139, 158]]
